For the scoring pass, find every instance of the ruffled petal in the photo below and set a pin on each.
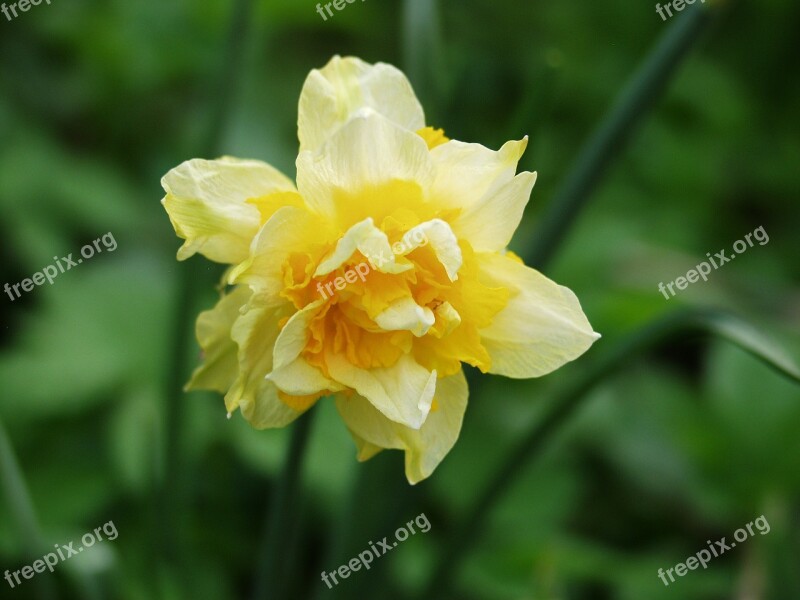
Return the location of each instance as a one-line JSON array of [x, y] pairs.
[[255, 332], [213, 329], [207, 204], [442, 240], [290, 229], [332, 95], [402, 392], [371, 242], [424, 447], [349, 169], [406, 315]]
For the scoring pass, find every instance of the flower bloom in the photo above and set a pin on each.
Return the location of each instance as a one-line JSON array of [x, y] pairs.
[[431, 217]]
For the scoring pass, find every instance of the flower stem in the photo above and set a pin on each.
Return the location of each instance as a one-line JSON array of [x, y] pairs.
[[191, 278], [532, 445], [21, 511], [608, 141], [422, 54], [274, 557]]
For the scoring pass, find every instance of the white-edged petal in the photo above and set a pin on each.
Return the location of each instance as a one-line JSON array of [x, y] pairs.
[[294, 335], [299, 378]]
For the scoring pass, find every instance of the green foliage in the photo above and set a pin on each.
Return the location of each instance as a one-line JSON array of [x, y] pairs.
[[99, 100]]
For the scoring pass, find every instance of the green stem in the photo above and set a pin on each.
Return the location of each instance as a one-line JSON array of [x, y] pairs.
[[192, 277], [22, 513], [532, 445], [271, 570], [342, 528], [608, 141], [421, 52]]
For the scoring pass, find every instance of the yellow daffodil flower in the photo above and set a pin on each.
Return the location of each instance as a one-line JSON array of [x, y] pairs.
[[376, 276]]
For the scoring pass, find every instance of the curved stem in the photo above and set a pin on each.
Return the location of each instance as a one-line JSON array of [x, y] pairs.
[[21, 511], [422, 54], [531, 446], [274, 557], [191, 277], [639, 95]]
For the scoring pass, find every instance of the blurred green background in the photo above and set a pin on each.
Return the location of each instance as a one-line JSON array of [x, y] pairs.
[[99, 99]]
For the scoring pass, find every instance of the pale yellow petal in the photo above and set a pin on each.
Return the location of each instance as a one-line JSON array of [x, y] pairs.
[[207, 204], [442, 240], [255, 333], [290, 229], [220, 366], [366, 153], [541, 328], [294, 335], [490, 223], [424, 448], [406, 315], [299, 378], [448, 317], [371, 242], [402, 392], [466, 173], [332, 95]]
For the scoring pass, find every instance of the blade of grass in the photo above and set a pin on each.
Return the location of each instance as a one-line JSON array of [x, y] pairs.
[[193, 277], [615, 130], [22, 512], [270, 582], [532, 445], [422, 55]]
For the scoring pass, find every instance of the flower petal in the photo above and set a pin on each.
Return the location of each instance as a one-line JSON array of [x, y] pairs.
[[402, 392], [207, 204], [213, 329], [299, 378], [480, 184], [331, 96], [424, 448], [490, 223], [406, 315], [290, 229], [540, 329], [443, 243], [255, 333], [367, 152], [371, 242]]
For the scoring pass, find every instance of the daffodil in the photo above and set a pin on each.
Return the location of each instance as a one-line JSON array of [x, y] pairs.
[[430, 216]]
